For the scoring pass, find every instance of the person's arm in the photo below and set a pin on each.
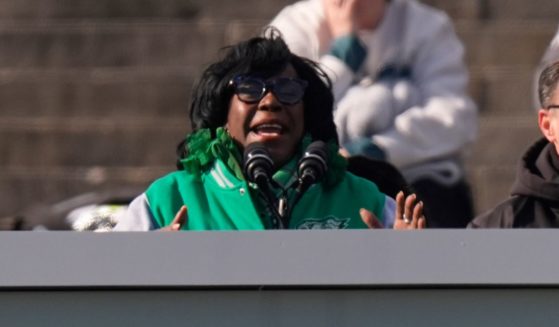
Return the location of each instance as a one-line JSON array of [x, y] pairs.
[[446, 120], [346, 53], [137, 217], [306, 29]]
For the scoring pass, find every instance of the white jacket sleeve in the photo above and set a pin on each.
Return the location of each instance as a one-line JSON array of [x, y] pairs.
[[446, 119], [137, 218], [389, 212]]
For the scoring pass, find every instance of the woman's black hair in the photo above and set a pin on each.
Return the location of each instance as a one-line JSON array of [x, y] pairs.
[[266, 56]]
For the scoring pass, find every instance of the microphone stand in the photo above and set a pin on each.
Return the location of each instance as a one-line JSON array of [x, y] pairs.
[[277, 212], [300, 188]]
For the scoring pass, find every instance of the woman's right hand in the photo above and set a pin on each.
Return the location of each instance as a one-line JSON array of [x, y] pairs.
[[180, 219]]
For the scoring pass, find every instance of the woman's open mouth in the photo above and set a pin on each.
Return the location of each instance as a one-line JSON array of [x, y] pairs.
[[268, 129]]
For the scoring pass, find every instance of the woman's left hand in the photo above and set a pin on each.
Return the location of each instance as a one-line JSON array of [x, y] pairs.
[[409, 214]]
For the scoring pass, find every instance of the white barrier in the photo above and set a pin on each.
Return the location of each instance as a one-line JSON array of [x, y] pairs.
[[280, 278]]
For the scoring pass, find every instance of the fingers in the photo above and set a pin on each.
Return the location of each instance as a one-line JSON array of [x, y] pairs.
[[409, 212], [344, 3], [339, 3], [370, 219], [419, 221], [344, 153], [340, 15], [408, 208], [417, 212], [422, 223], [178, 221]]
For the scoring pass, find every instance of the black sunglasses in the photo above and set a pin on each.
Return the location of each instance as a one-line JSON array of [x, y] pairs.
[[288, 91]]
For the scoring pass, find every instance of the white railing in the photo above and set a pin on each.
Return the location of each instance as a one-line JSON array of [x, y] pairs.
[[282, 278]]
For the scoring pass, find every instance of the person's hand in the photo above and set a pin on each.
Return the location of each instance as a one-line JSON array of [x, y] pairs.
[[409, 212], [177, 223], [340, 16], [370, 219], [344, 153]]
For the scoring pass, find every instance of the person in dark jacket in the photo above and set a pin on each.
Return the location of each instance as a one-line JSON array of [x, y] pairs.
[[535, 194]]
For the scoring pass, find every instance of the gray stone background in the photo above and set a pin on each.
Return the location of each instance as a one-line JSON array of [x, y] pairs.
[[95, 92]]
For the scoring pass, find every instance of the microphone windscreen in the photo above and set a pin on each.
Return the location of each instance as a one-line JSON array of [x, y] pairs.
[[257, 162], [314, 163], [318, 148]]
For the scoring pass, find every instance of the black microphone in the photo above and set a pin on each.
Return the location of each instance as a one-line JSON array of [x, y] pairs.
[[313, 165], [258, 164], [258, 168]]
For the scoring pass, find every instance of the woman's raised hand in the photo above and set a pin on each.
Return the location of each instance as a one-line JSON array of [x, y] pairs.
[[180, 219], [408, 215], [409, 212]]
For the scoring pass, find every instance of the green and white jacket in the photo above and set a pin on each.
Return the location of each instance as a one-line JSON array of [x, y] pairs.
[[218, 197]]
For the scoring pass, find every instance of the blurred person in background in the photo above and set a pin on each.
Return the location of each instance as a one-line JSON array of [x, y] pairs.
[[399, 82], [261, 100], [534, 200]]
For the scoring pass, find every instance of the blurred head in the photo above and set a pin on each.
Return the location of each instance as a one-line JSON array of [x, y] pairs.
[[261, 92], [548, 119]]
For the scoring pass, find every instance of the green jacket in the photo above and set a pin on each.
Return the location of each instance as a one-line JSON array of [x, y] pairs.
[[214, 189], [217, 200]]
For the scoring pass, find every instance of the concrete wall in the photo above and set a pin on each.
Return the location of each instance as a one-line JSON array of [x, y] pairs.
[[279, 278]]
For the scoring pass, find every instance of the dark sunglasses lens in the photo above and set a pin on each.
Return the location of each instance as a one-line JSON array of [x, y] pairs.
[[250, 90], [289, 91]]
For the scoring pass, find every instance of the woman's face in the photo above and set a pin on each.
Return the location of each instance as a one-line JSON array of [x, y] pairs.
[[279, 126]]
